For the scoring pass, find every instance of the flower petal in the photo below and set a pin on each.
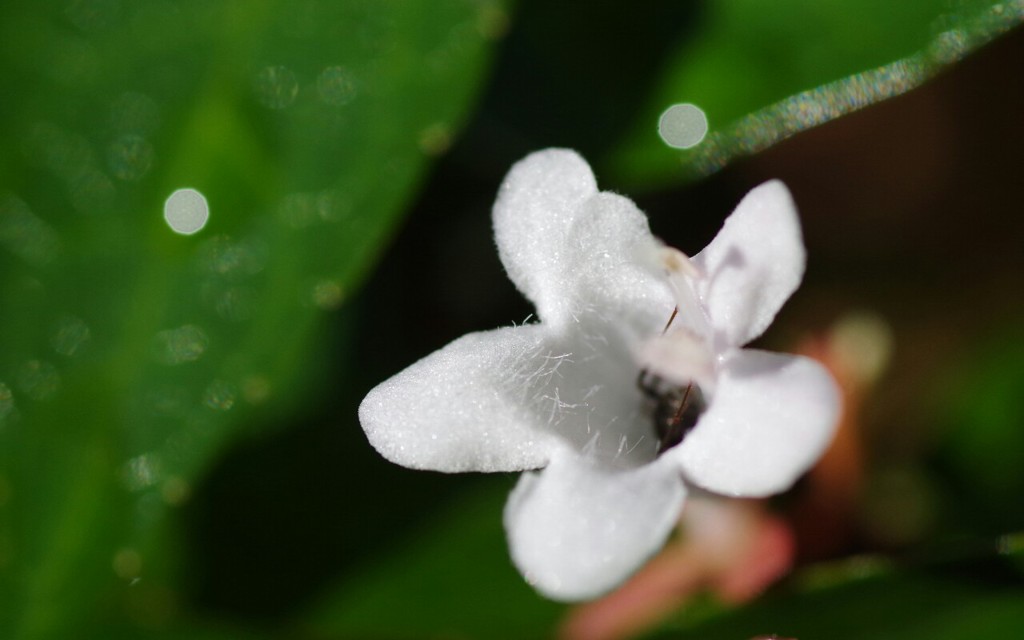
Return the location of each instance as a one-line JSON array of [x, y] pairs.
[[752, 266], [615, 268], [461, 408], [770, 418], [679, 357], [577, 531], [536, 206]]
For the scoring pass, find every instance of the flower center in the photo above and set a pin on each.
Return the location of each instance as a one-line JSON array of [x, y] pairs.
[[674, 409], [674, 405]]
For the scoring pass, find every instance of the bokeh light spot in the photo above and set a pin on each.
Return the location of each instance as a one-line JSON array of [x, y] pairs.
[[24, 234], [435, 139], [6, 402], [141, 472], [256, 389], [186, 211], [69, 336], [336, 86], [127, 564], [682, 126], [175, 491], [130, 157], [276, 87], [219, 395], [184, 344], [38, 379], [328, 294]]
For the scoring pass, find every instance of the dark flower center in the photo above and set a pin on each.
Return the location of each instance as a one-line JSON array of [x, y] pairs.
[[674, 409]]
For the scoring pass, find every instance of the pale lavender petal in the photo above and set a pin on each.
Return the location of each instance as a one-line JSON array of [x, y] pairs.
[[576, 531], [536, 206], [462, 408], [770, 418], [752, 266]]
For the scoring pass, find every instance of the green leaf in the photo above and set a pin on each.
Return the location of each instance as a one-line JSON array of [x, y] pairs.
[[156, 629], [762, 72], [978, 597], [453, 579], [981, 410], [132, 354]]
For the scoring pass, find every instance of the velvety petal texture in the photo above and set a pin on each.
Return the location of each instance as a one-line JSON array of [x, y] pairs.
[[576, 530], [462, 408], [613, 267], [771, 418], [752, 266], [536, 206]]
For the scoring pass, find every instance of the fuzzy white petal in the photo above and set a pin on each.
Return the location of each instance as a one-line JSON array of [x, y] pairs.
[[536, 206], [577, 531], [771, 417], [614, 267], [752, 266], [461, 408], [679, 357], [571, 395]]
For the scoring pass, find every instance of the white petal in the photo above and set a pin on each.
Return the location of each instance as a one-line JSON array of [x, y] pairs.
[[752, 266], [461, 408], [770, 418], [577, 531], [679, 357], [615, 267], [536, 206]]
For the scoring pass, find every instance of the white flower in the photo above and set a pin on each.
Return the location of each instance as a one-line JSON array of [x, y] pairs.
[[579, 394]]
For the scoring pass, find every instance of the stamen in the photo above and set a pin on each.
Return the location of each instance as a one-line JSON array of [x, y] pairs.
[[682, 405], [673, 428], [671, 318]]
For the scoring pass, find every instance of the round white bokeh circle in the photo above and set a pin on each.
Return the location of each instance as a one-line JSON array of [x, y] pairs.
[[682, 126], [186, 211]]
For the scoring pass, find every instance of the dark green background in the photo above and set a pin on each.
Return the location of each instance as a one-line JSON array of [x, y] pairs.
[[350, 152]]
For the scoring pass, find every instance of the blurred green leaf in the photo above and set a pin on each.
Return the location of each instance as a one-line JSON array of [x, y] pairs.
[[178, 630], [748, 57], [981, 410], [131, 354], [452, 580], [977, 597]]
